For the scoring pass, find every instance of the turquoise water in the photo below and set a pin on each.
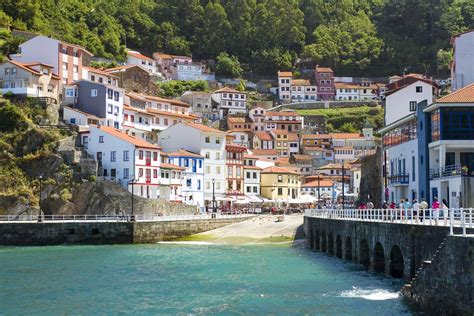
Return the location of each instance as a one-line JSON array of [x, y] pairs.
[[188, 279]]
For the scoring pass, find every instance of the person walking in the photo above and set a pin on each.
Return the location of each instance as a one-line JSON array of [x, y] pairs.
[[423, 208], [435, 207], [445, 210], [407, 209], [416, 210]]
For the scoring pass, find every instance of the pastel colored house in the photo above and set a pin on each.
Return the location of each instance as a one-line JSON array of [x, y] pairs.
[[280, 183]]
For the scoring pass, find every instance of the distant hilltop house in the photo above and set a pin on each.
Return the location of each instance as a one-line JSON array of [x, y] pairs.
[[462, 66], [321, 88]]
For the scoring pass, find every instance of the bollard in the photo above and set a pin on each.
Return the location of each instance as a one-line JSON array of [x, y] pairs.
[[451, 220]]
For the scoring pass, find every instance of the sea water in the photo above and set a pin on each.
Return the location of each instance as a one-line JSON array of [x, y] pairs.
[[189, 279]]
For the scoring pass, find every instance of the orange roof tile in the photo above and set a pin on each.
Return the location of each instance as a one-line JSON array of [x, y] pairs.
[[285, 74], [184, 153], [323, 69], [138, 55], [345, 135], [228, 89], [279, 170], [166, 113], [463, 95], [171, 166], [264, 152], [130, 108], [252, 167], [100, 71], [124, 67], [322, 183], [301, 82], [125, 137], [204, 128], [262, 135], [170, 101], [282, 113], [292, 137], [303, 157]]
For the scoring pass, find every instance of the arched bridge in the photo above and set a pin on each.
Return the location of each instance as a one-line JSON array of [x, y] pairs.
[[384, 241]]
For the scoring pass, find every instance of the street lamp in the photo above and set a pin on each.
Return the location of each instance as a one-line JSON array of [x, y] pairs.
[[132, 181], [40, 188], [319, 190], [213, 196], [343, 185]]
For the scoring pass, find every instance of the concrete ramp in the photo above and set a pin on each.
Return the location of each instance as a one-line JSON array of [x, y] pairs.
[[259, 229]]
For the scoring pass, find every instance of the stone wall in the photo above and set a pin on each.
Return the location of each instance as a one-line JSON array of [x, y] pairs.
[[327, 105], [371, 178], [382, 247], [41, 234], [446, 282]]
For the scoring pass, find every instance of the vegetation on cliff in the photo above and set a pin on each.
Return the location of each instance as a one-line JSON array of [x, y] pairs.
[[355, 37]]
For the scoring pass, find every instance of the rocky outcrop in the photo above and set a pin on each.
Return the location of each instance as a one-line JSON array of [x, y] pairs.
[[106, 197]]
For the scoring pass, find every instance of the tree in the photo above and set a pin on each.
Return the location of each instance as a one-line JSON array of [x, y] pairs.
[[269, 61], [228, 66]]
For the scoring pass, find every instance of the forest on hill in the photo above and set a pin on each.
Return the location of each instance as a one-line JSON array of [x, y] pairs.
[[355, 37]]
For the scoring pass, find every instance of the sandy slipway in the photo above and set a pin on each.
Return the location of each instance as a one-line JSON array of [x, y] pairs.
[[260, 229]]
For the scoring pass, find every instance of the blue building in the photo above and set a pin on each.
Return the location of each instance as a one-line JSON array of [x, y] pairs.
[[193, 176]]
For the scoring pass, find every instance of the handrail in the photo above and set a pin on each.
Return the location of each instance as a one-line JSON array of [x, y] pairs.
[[453, 217], [118, 218]]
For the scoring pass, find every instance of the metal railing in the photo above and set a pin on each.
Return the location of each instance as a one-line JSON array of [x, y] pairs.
[[450, 171], [118, 218], [454, 217], [402, 178]]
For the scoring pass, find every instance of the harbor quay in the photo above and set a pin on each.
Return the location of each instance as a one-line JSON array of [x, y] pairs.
[[106, 229], [434, 258]]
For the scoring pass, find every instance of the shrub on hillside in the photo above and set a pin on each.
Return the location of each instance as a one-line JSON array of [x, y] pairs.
[[11, 119]]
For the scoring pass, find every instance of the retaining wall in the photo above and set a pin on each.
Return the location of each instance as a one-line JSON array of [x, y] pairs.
[[41, 234]]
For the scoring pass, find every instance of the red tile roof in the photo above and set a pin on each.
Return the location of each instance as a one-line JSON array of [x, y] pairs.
[[184, 153], [124, 67], [285, 74], [166, 113], [303, 157], [252, 167], [264, 152], [323, 69], [125, 137], [282, 113], [170, 101], [138, 55], [322, 183], [301, 82], [463, 95], [235, 148], [171, 166], [228, 89], [204, 128], [280, 170], [262, 135], [100, 71]]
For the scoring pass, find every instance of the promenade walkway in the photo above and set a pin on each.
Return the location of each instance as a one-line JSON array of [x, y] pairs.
[[463, 218]]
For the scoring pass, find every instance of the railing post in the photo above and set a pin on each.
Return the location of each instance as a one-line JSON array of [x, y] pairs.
[[430, 214], [470, 217], [451, 223], [463, 221]]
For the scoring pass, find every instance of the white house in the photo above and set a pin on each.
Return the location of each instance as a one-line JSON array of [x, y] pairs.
[[82, 119], [132, 162], [206, 141], [402, 101], [295, 90], [251, 176], [230, 101], [193, 176], [284, 85], [171, 178], [462, 67], [100, 76], [451, 148], [136, 58], [257, 115], [321, 190], [67, 60]]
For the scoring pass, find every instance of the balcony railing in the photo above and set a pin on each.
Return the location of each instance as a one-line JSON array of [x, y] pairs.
[[451, 171], [399, 178]]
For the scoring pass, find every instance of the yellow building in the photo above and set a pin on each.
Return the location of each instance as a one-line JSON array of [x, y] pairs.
[[279, 183]]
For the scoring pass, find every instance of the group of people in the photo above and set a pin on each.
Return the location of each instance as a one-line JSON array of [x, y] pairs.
[[416, 210]]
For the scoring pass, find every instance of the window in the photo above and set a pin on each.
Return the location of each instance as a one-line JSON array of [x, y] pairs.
[[50, 88], [248, 190], [140, 172], [13, 71], [218, 170], [155, 173], [255, 175], [125, 155], [75, 69], [207, 155], [7, 71], [75, 53], [255, 190], [64, 50], [280, 178], [419, 89], [412, 106], [93, 93], [188, 183], [229, 171], [280, 191], [116, 95], [113, 156], [72, 120], [155, 156], [125, 173], [248, 175], [413, 168], [110, 94], [208, 169], [101, 139], [64, 66], [109, 108], [208, 140], [238, 172], [140, 154], [218, 156]]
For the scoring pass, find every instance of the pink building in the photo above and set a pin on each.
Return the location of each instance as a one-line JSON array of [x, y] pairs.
[[325, 83]]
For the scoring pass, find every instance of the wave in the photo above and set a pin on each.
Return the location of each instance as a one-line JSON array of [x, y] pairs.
[[372, 295]]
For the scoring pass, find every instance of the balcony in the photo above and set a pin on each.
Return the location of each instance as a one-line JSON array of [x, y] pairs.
[[451, 171], [399, 179]]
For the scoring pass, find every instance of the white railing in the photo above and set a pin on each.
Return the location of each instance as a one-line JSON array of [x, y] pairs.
[[117, 218], [454, 217]]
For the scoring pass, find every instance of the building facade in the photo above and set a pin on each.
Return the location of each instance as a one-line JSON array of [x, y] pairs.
[[462, 67]]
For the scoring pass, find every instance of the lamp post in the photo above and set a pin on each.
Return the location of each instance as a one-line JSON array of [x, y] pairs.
[[40, 188], [343, 185], [132, 216], [319, 190], [213, 196]]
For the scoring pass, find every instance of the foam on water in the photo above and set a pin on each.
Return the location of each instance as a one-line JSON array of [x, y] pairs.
[[370, 294], [189, 243]]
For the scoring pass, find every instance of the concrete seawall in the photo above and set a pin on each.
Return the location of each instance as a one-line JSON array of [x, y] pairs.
[[96, 233]]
